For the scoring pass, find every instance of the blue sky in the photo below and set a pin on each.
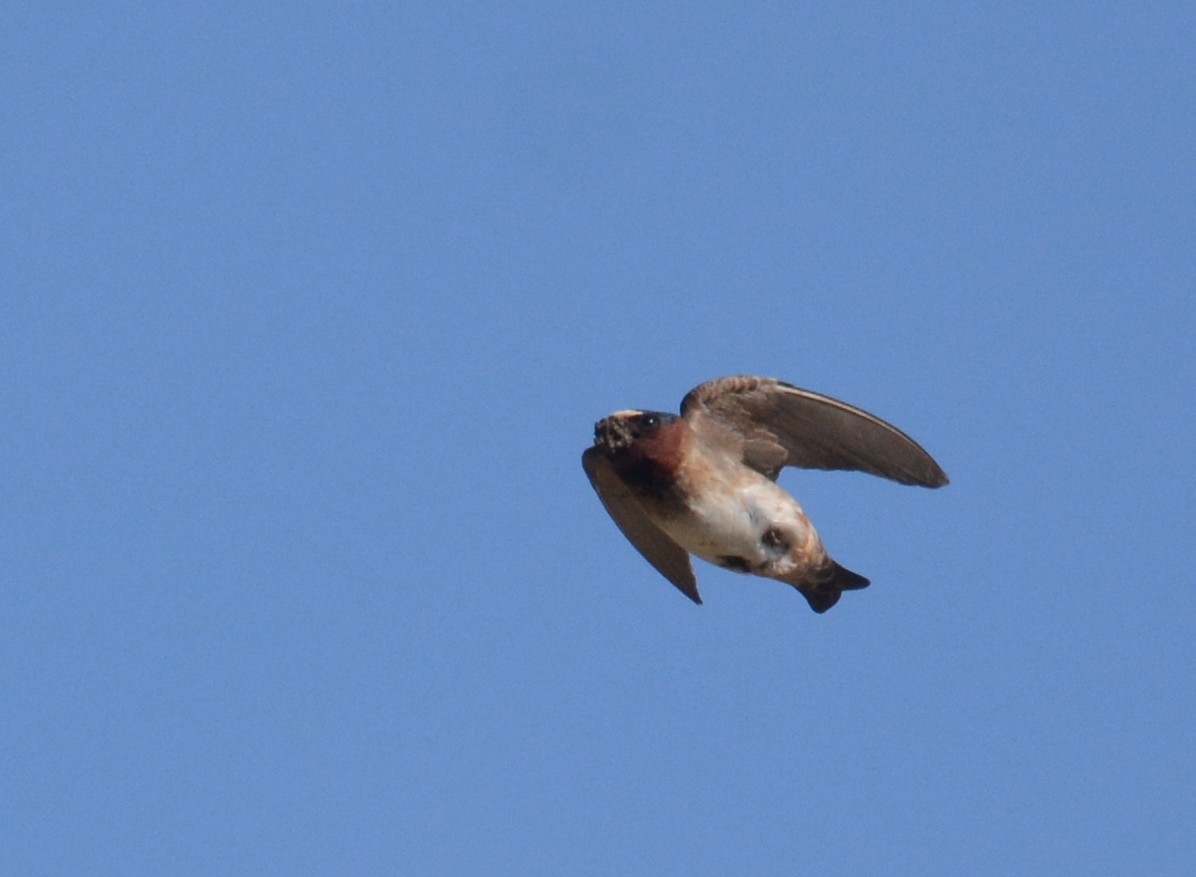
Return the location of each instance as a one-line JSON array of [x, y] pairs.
[[308, 314]]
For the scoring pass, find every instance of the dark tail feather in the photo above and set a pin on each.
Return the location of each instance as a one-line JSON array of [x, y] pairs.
[[824, 588]]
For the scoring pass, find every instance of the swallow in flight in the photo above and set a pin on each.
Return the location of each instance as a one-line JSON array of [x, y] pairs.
[[704, 483]]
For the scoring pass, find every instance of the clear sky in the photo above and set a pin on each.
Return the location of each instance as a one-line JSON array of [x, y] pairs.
[[309, 310]]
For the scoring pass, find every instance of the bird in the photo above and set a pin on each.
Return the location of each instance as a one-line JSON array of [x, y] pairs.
[[703, 483]]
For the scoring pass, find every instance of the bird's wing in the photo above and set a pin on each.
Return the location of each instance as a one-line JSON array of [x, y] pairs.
[[669, 558], [782, 425]]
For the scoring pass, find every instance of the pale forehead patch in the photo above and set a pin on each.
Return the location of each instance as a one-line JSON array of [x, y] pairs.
[[630, 412]]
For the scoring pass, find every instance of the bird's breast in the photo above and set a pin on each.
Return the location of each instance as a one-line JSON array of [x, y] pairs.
[[736, 518]]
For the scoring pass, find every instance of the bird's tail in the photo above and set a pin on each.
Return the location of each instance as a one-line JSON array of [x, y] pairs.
[[823, 587]]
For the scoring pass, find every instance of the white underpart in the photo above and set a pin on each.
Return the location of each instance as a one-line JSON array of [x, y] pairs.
[[731, 522]]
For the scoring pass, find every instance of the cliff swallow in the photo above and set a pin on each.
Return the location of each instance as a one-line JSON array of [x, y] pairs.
[[704, 483]]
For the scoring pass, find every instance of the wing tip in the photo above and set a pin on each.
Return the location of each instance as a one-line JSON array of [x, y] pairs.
[[937, 478], [687, 587]]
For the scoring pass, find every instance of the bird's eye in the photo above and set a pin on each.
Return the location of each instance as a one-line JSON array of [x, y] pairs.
[[649, 421]]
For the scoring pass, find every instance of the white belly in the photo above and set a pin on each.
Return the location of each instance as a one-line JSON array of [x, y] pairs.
[[728, 525]]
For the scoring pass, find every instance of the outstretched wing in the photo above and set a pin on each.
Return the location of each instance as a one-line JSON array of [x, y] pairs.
[[782, 425], [669, 558]]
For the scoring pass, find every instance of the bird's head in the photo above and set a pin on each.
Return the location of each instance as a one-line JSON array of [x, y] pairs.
[[617, 433]]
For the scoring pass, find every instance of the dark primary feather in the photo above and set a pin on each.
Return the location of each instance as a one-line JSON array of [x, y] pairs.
[[783, 425], [669, 558]]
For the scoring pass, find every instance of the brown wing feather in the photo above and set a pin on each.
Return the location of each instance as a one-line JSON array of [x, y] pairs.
[[669, 558], [783, 425]]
